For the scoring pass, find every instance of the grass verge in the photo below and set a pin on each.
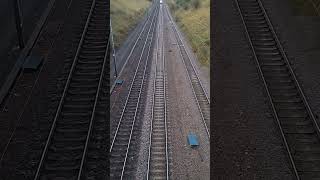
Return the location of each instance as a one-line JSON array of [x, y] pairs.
[[125, 14], [193, 18]]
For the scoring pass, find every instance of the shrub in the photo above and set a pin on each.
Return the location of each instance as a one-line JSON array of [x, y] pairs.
[[196, 4]]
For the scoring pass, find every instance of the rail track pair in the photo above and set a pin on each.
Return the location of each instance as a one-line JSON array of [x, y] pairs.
[[123, 136], [158, 159], [76, 144], [298, 126]]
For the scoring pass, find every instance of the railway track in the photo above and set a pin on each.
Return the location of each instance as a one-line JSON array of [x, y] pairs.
[[77, 137], [201, 96], [158, 165], [121, 166], [299, 129]]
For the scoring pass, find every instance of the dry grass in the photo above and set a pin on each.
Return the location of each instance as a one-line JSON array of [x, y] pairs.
[[306, 7], [124, 15], [195, 23]]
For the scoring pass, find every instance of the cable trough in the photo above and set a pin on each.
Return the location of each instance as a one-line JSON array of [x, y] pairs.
[[299, 129]]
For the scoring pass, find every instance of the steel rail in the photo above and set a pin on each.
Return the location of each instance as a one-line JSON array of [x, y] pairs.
[[154, 97], [64, 91], [291, 70], [130, 91], [132, 49], [93, 112], [196, 75], [165, 96], [165, 102], [269, 94], [191, 62]]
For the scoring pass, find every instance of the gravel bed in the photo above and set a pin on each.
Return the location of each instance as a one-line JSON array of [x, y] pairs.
[[142, 162], [246, 142], [183, 117]]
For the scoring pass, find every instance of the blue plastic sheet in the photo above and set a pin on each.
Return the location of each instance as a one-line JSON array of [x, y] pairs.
[[193, 139]]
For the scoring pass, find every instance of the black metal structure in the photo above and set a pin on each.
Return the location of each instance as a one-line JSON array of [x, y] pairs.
[[18, 21]]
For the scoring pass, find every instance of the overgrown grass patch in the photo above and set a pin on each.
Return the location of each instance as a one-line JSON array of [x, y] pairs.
[[194, 21], [125, 14]]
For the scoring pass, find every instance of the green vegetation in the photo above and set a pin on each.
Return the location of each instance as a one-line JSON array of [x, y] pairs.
[[125, 14], [305, 7], [193, 17]]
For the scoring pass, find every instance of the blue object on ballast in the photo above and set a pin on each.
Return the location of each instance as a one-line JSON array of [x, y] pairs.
[[193, 140], [32, 62], [119, 82]]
